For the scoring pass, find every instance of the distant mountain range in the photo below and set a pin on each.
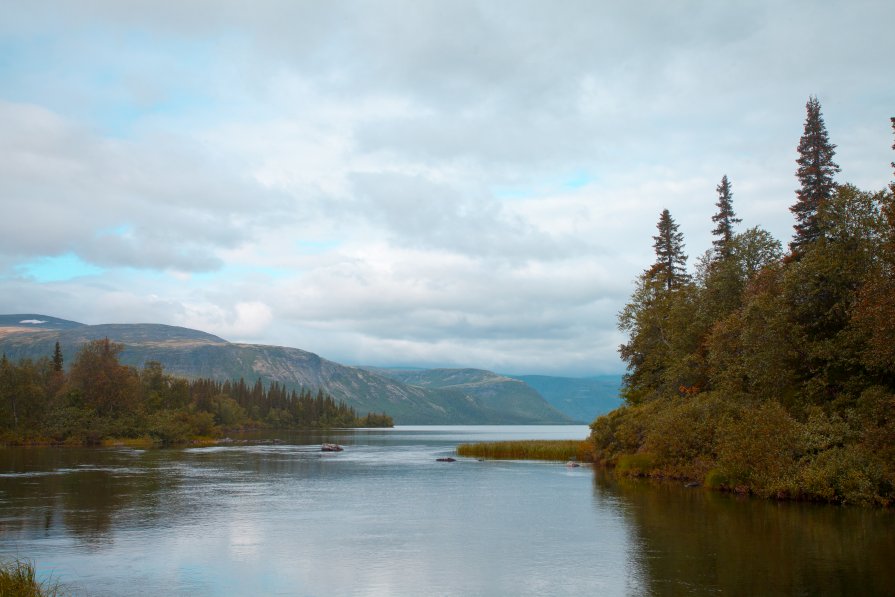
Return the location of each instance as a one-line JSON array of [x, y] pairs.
[[433, 396], [579, 398]]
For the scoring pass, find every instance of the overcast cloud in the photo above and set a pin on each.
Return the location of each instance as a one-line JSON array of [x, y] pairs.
[[467, 183]]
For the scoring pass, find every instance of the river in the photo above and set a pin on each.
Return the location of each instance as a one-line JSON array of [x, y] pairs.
[[384, 518]]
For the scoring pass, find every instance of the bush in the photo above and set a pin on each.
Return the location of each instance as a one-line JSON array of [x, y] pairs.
[[636, 465], [844, 474], [757, 449]]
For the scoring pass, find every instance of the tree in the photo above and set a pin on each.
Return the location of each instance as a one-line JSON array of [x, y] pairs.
[[724, 220], [670, 269], [57, 358], [106, 385], [815, 173]]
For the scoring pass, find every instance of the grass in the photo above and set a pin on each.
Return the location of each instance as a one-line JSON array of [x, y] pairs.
[[129, 442], [17, 579], [530, 450]]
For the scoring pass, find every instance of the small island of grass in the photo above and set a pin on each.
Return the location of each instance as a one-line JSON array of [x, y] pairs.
[[555, 450]]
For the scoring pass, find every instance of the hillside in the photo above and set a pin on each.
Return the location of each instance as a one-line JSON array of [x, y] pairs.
[[192, 353], [581, 399], [496, 392]]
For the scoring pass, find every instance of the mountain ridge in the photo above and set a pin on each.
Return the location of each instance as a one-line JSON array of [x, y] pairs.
[[192, 353]]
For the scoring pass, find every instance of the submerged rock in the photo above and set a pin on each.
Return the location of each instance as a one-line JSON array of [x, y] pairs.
[[331, 448], [448, 459]]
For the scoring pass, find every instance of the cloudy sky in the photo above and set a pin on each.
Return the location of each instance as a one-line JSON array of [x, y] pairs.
[[424, 183]]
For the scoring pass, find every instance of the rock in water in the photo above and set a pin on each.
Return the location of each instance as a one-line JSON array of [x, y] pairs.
[[448, 459], [331, 448]]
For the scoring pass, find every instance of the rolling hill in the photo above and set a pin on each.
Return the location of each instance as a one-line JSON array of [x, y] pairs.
[[581, 399], [192, 353], [499, 392]]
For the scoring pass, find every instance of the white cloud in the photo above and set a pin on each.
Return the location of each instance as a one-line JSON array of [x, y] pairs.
[[389, 183]]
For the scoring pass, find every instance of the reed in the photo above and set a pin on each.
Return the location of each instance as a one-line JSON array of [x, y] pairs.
[[580, 450], [17, 578]]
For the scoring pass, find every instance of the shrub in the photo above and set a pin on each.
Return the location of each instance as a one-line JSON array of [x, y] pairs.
[[757, 448], [843, 474], [636, 465]]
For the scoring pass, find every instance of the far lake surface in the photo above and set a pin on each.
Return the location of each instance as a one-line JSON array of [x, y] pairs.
[[384, 518]]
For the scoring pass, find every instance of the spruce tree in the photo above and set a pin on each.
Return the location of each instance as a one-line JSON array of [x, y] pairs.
[[670, 269], [57, 358], [815, 173], [724, 220]]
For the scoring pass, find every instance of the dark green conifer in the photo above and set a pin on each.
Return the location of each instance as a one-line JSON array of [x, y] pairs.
[[724, 220], [815, 173], [670, 269], [57, 358]]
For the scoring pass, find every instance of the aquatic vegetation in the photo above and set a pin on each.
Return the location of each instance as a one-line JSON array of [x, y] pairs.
[[558, 450], [18, 579]]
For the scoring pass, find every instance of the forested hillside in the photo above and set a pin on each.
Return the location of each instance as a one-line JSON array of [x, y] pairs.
[[99, 398], [195, 354], [764, 370]]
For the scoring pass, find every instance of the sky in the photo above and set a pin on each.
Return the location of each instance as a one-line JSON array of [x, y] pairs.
[[408, 183]]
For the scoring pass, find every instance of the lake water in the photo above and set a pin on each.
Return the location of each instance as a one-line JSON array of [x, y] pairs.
[[384, 518]]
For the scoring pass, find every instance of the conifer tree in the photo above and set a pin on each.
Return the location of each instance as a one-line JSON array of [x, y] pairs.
[[671, 262], [724, 220], [57, 358], [815, 173]]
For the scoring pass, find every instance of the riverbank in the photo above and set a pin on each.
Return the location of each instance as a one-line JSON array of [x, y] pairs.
[[730, 443]]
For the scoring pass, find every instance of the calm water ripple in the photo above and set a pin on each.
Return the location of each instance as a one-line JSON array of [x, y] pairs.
[[384, 518]]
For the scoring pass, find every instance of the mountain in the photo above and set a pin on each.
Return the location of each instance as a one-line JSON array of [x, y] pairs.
[[581, 399], [191, 353], [498, 392]]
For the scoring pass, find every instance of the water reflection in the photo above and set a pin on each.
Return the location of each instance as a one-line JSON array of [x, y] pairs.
[[49, 492], [694, 542], [384, 518]]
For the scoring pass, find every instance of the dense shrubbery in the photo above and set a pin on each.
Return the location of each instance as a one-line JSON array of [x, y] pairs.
[[100, 399], [768, 373]]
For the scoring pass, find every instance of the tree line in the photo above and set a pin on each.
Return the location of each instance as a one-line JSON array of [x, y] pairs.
[[763, 370], [99, 399]]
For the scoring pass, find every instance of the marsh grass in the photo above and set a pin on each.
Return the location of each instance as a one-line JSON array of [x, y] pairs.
[[130, 442], [17, 579], [580, 450]]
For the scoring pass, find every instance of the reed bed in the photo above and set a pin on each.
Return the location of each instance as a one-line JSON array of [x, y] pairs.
[[580, 450], [17, 579]]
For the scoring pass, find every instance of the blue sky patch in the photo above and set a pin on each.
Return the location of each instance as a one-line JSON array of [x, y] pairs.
[[58, 268]]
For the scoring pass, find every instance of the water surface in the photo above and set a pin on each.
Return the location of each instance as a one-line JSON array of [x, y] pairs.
[[384, 518]]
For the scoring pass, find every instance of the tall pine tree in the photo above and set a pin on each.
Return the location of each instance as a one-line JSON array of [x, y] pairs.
[[57, 358], [670, 269], [815, 173], [724, 220]]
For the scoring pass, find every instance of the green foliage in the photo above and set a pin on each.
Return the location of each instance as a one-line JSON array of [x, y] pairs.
[[724, 219], [757, 448], [769, 375], [815, 173], [636, 465], [670, 269], [100, 400]]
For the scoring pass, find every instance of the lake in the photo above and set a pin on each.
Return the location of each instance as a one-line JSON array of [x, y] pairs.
[[384, 518]]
